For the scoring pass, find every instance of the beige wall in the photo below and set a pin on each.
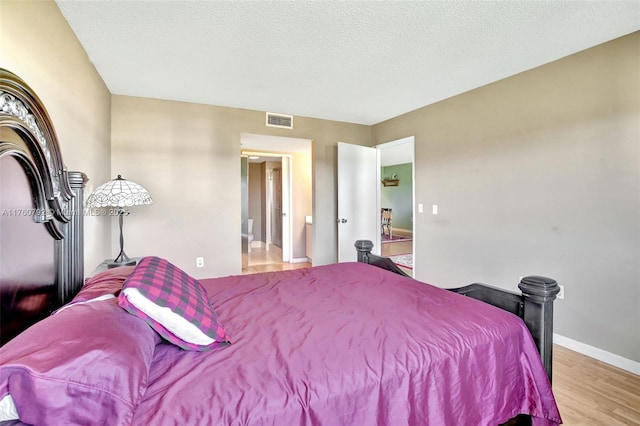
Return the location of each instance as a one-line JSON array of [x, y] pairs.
[[37, 44], [187, 156], [539, 174]]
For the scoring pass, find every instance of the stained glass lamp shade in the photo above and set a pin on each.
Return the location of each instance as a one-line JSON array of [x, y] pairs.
[[119, 193]]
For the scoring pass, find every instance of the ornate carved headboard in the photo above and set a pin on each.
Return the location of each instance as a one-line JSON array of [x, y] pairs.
[[41, 215]]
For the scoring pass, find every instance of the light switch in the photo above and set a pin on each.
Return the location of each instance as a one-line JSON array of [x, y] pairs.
[[420, 208], [434, 209]]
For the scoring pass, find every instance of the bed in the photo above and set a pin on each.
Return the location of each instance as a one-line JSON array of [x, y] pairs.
[[344, 344]]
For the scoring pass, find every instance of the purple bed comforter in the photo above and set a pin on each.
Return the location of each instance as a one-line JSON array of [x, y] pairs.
[[350, 344]]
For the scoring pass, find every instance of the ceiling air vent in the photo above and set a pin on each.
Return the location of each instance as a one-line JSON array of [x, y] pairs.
[[279, 120]]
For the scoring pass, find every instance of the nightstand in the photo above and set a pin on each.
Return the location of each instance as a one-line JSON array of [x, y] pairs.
[[105, 265]]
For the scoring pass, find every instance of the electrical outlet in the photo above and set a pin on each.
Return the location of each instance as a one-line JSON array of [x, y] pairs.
[[199, 262], [561, 294]]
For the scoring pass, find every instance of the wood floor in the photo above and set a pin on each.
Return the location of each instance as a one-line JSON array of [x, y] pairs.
[[588, 392], [398, 247], [269, 259]]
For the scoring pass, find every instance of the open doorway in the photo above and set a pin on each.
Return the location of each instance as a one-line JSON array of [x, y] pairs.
[[276, 202], [360, 172], [396, 197], [274, 207]]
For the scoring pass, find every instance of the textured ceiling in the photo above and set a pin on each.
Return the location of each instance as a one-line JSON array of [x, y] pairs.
[[354, 61]]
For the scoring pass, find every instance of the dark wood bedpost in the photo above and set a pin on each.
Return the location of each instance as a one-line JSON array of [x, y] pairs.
[[538, 295], [365, 256], [364, 249], [74, 240]]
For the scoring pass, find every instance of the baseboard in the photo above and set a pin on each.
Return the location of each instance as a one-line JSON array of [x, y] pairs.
[[402, 231], [300, 260], [258, 244], [597, 353]]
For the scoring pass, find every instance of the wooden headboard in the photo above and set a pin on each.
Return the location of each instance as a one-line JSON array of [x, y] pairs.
[[41, 214]]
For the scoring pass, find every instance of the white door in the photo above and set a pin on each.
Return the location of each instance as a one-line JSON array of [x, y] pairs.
[[358, 215]]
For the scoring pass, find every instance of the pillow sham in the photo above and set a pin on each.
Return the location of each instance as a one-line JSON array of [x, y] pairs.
[[86, 364], [174, 304]]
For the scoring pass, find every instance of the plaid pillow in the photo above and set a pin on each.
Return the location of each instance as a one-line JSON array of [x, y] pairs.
[[174, 304]]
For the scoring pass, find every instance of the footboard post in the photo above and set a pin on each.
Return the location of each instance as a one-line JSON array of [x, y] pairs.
[[539, 294], [364, 249]]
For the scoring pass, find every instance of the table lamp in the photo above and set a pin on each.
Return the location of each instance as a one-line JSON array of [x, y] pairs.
[[119, 193]]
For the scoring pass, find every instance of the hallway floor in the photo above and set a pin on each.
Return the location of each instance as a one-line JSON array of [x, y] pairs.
[[398, 247], [263, 260], [269, 260]]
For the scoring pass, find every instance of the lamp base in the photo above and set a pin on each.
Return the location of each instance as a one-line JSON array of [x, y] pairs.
[[128, 262]]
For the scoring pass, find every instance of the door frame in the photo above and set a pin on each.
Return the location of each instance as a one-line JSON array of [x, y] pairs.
[[410, 142], [287, 202], [280, 146]]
